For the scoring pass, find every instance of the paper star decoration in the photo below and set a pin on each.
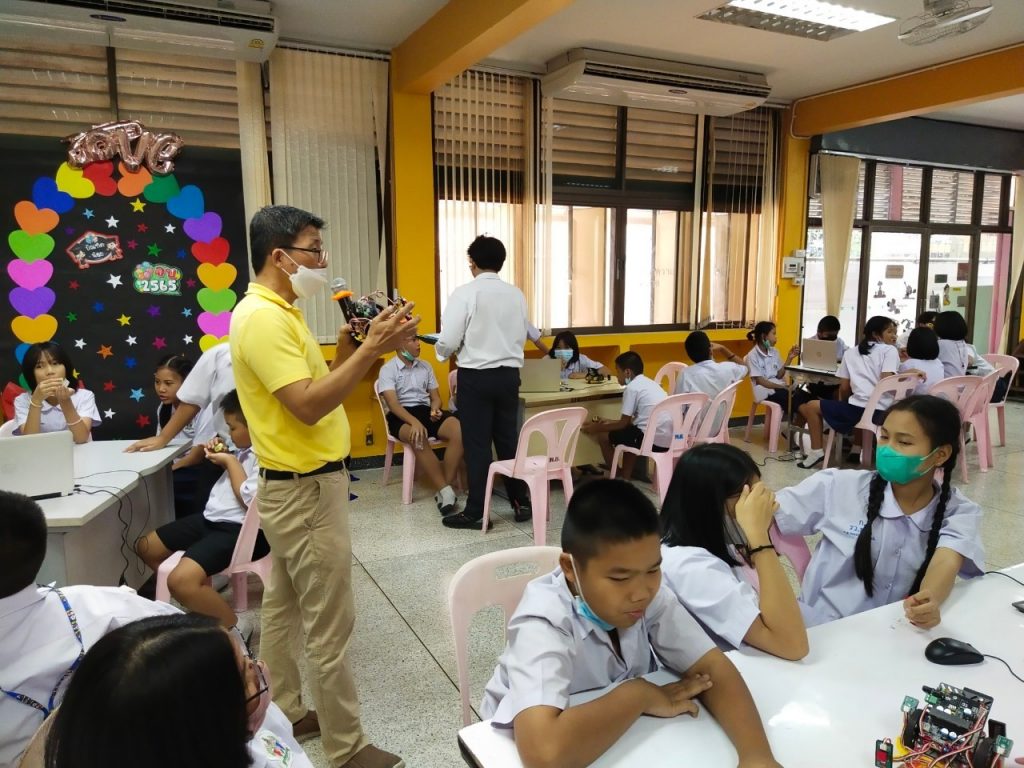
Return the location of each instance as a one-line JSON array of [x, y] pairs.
[[109, 413], [138, 206], [169, 229], [142, 228], [69, 230], [79, 343], [154, 311], [98, 306], [124, 319], [154, 250], [132, 245], [112, 222], [187, 339], [71, 316], [129, 362], [186, 312], [190, 283], [115, 281], [181, 253], [108, 386], [142, 421], [159, 342], [88, 213], [136, 395], [75, 374], [73, 285], [131, 341], [105, 351]]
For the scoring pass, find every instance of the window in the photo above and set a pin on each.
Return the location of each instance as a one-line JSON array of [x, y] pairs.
[[814, 287], [952, 196], [581, 266], [897, 193], [652, 281]]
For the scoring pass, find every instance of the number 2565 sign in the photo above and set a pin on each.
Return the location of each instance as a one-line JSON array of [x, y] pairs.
[[159, 279]]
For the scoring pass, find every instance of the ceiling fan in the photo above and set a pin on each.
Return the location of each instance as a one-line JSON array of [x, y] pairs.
[[943, 18]]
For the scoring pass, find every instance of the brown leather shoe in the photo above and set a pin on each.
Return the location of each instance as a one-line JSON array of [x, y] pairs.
[[371, 757], [307, 728]]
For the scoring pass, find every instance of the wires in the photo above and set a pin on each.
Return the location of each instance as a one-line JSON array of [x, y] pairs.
[[1006, 575], [990, 656], [121, 496]]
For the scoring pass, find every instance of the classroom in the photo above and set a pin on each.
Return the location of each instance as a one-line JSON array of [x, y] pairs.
[[750, 273]]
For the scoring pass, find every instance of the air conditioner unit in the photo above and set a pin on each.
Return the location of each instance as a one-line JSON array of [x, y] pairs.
[[584, 74], [227, 29]]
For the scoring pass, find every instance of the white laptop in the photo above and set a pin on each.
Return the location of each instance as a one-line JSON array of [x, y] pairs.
[[820, 355], [541, 375], [40, 466]]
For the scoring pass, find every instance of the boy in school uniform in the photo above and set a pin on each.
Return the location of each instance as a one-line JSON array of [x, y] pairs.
[[828, 330], [706, 375], [604, 617], [639, 397]]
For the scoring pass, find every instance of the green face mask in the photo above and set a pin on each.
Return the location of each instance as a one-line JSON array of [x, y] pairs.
[[406, 355], [899, 468]]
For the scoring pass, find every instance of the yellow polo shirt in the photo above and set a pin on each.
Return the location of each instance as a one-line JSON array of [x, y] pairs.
[[272, 347]]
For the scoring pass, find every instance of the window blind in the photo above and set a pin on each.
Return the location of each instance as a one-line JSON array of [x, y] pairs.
[[897, 193], [992, 191], [583, 143], [660, 146]]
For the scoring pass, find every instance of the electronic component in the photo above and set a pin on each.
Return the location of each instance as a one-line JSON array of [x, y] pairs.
[[1019, 605], [883, 754]]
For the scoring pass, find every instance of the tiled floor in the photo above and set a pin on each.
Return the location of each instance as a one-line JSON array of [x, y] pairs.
[[402, 651]]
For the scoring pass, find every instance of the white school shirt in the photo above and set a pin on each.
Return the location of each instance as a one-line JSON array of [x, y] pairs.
[[982, 367], [710, 378], [865, 371], [841, 346], [583, 365], [411, 382], [717, 595], [932, 370], [764, 365], [51, 418], [834, 502], [210, 379], [187, 434], [554, 652], [638, 400], [532, 332], [223, 506], [954, 356], [274, 744], [484, 324]]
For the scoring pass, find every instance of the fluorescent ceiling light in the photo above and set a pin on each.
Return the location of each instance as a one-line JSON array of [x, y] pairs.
[[816, 12]]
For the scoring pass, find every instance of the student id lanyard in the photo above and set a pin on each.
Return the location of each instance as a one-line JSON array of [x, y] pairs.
[[28, 700]]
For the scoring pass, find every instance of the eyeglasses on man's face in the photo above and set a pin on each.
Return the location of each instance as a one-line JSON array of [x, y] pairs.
[[319, 254]]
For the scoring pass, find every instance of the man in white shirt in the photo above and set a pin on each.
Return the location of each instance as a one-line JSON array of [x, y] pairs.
[[706, 375], [484, 325]]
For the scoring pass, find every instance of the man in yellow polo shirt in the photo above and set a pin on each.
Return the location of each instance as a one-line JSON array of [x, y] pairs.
[[301, 436]]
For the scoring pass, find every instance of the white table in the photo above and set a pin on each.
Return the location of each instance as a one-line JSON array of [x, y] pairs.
[[118, 497], [603, 400], [829, 709]]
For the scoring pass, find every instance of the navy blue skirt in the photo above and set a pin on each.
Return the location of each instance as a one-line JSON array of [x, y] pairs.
[[843, 416]]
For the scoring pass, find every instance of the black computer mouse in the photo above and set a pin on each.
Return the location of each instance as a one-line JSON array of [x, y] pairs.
[[946, 650]]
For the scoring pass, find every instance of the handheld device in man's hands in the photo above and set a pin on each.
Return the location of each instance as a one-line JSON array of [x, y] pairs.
[[360, 311]]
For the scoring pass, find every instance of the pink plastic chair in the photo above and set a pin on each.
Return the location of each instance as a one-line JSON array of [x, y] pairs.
[[669, 371], [453, 385], [478, 585], [683, 410], [560, 429], [899, 386], [967, 393], [241, 563], [722, 403], [772, 421], [408, 454], [794, 548], [1004, 364]]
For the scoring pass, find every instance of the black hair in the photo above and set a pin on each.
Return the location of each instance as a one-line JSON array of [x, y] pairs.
[[606, 512], [875, 326], [829, 324], [950, 325], [923, 344], [760, 332], [22, 542], [182, 366], [487, 252], [940, 420], [632, 361], [698, 346], [927, 318], [277, 226], [569, 339], [144, 687], [51, 349], [232, 406], [693, 512]]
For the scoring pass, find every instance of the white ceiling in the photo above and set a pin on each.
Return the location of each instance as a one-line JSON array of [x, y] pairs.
[[370, 25], [1000, 113]]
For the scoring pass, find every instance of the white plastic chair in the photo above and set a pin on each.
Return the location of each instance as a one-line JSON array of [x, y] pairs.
[[560, 429], [683, 410], [967, 393], [722, 404], [478, 585], [772, 420], [669, 371], [899, 386], [241, 563], [7, 428], [794, 548], [1004, 364], [408, 454]]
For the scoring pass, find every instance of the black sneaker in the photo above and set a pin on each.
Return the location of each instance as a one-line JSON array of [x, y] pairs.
[[444, 509], [522, 512], [462, 520]]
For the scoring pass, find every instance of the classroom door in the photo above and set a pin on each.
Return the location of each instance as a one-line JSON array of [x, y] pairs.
[[892, 277], [949, 273]]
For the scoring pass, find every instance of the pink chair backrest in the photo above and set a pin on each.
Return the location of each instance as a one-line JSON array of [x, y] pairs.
[[1004, 364], [794, 548], [246, 542], [722, 403], [683, 411], [669, 371], [978, 402], [480, 584], [383, 410], [559, 427], [899, 386], [959, 390]]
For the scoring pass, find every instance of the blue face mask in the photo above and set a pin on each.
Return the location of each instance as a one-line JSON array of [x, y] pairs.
[[898, 467], [563, 354], [626, 380], [581, 604]]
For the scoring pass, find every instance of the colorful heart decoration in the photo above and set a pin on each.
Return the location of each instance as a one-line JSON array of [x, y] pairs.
[[73, 181], [187, 204], [217, 277], [205, 228], [33, 303], [132, 184], [161, 189], [211, 300], [35, 220], [215, 252], [20, 350], [34, 330], [215, 324], [208, 341], [30, 274], [46, 195], [30, 247], [102, 177]]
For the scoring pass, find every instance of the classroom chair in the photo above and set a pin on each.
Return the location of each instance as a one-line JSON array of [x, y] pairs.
[[560, 429], [968, 394], [408, 454], [8, 427], [772, 420], [1006, 365], [684, 411], [723, 404], [241, 564], [899, 386], [670, 372], [794, 548]]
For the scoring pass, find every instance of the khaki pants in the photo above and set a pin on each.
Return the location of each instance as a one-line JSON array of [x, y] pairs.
[[310, 591]]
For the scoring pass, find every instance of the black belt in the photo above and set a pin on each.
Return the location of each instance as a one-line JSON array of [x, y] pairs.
[[280, 474]]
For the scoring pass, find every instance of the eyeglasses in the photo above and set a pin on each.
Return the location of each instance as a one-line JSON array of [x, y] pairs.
[[320, 253], [262, 686]]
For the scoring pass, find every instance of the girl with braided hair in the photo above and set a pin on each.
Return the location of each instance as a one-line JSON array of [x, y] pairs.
[[892, 534]]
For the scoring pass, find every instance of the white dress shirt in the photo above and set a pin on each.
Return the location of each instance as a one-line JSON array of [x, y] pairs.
[[187, 434], [51, 418], [411, 382], [764, 365], [638, 400], [210, 379], [932, 369], [554, 652], [865, 371], [955, 357], [223, 506], [484, 324], [978, 365], [582, 365], [710, 378]]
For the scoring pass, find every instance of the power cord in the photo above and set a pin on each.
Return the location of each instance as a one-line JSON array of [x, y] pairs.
[[1006, 575], [990, 656]]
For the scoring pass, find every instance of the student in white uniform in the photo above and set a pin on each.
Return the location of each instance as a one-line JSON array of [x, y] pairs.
[[413, 398], [639, 397], [768, 371], [862, 368], [715, 519], [923, 357], [51, 405], [894, 534], [171, 372], [604, 617], [951, 328], [706, 375], [575, 365], [828, 330], [167, 691], [924, 320]]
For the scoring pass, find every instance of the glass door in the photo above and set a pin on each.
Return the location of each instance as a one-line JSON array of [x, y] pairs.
[[892, 277], [949, 273]]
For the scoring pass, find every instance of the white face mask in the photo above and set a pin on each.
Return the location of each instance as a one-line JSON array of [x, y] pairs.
[[307, 282]]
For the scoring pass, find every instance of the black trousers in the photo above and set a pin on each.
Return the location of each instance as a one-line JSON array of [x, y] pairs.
[[488, 404]]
